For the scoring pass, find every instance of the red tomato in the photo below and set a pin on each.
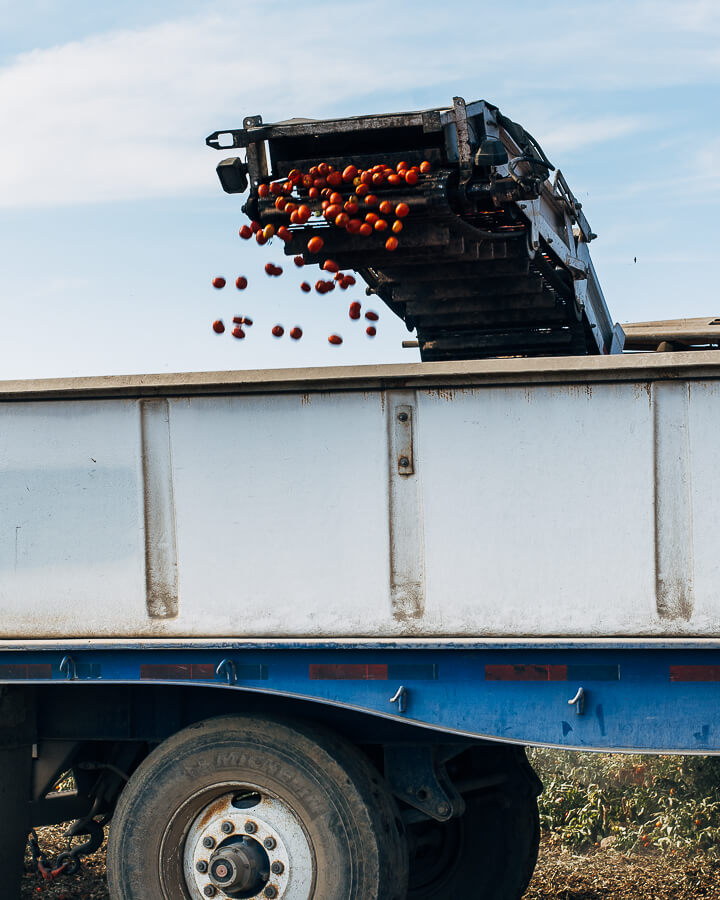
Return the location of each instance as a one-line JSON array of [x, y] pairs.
[[361, 190], [366, 177], [270, 268], [246, 232], [296, 333], [295, 218], [320, 286], [349, 173], [323, 168], [371, 331], [378, 179], [331, 266], [351, 207], [299, 261], [238, 320], [394, 179], [255, 227], [313, 171], [372, 316], [263, 190], [304, 212], [339, 277], [290, 207], [401, 166], [391, 243], [401, 210], [237, 332], [287, 187], [326, 192], [397, 226], [278, 330], [218, 282], [315, 244], [324, 205], [260, 238], [353, 226], [385, 207], [280, 203], [354, 313], [355, 306], [371, 200], [350, 279], [333, 210], [380, 225], [241, 283], [425, 166], [319, 183], [335, 339], [313, 193], [275, 188], [334, 179], [247, 321], [371, 218], [218, 326], [268, 232], [365, 229], [336, 198], [294, 175], [411, 176], [305, 287], [284, 234], [307, 181]]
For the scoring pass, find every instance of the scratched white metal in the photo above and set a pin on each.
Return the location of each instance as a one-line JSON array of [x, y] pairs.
[[533, 513]]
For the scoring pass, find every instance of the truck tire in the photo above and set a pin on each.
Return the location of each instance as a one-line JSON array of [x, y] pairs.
[[247, 807], [488, 853]]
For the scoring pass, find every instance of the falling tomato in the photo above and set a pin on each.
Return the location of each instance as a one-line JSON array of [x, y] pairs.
[[247, 321], [371, 200], [255, 227], [237, 332], [397, 226], [218, 326], [335, 339], [411, 177], [268, 232], [218, 282], [315, 244], [380, 225], [362, 189], [391, 243], [296, 333], [284, 234], [371, 331], [401, 210], [331, 266], [371, 316], [245, 232], [278, 331], [299, 261], [386, 207], [241, 282], [425, 167], [350, 279], [365, 229], [305, 287]]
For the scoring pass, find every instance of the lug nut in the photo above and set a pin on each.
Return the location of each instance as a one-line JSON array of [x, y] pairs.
[[269, 843], [403, 417], [270, 891], [250, 827], [202, 867], [209, 890], [404, 461], [277, 868], [227, 828], [208, 842]]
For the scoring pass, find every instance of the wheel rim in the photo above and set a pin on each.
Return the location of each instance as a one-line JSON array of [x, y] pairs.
[[435, 848], [239, 841]]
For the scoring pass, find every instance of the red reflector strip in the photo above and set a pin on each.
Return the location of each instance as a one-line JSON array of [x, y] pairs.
[[348, 672], [522, 672], [180, 672], [20, 671], [694, 673]]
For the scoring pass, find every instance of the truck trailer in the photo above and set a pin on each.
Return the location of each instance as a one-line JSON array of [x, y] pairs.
[[291, 631]]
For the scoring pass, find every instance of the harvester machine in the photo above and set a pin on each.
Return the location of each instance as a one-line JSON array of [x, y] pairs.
[[492, 255]]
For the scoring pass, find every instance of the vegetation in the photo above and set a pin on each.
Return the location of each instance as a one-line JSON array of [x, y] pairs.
[[667, 802]]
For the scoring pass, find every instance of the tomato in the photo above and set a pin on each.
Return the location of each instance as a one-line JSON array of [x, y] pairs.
[[284, 234], [320, 286], [307, 181], [380, 225], [270, 268], [304, 212], [278, 330], [401, 210], [372, 316], [255, 227], [275, 188], [361, 190], [290, 207], [394, 180], [333, 210], [218, 282], [354, 313], [313, 193], [294, 175], [371, 218], [401, 166], [241, 282], [218, 326], [319, 183], [365, 229], [386, 207], [246, 321], [335, 339], [329, 286], [237, 332], [349, 173], [336, 198], [366, 177], [305, 287], [260, 238], [299, 261], [313, 170], [397, 226], [296, 333], [351, 207], [238, 320], [295, 218], [268, 232], [331, 266], [391, 243], [334, 179], [280, 203], [245, 232], [371, 200], [353, 226], [411, 177], [323, 168], [315, 244], [371, 331], [287, 187], [263, 190], [350, 279], [378, 179], [425, 167], [355, 306]]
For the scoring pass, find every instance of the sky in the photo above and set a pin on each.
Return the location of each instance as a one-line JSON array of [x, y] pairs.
[[113, 223]]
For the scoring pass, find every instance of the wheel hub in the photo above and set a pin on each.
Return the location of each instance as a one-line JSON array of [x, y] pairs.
[[243, 866]]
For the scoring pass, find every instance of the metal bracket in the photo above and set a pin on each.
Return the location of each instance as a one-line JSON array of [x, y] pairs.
[[578, 701], [68, 666], [400, 698], [415, 775], [403, 426], [226, 668]]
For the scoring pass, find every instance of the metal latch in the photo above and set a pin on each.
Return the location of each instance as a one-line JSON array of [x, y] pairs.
[[578, 701], [404, 440]]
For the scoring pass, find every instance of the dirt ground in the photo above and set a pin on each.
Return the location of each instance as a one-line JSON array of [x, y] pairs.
[[560, 875]]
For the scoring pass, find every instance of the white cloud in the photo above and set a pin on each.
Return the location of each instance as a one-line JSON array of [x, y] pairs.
[[123, 115]]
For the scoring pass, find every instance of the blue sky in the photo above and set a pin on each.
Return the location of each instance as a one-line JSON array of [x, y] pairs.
[[112, 222]]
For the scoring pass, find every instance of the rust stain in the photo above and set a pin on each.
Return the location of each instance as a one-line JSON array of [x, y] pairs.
[[215, 809]]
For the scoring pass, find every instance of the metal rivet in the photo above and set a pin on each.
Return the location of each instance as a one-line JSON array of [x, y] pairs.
[[250, 827], [227, 828], [208, 842], [403, 417], [269, 843], [270, 891], [209, 890], [202, 867], [404, 461], [277, 868]]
